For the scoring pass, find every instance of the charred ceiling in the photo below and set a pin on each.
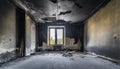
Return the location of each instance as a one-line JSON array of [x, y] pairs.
[[73, 11]]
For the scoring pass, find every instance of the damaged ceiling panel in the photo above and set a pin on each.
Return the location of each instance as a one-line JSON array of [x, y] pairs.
[[50, 10]]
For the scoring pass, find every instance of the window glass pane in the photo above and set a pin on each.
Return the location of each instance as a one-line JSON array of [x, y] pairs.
[[52, 36], [59, 36]]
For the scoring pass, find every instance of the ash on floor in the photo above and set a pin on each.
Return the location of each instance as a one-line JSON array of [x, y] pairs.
[[56, 60]]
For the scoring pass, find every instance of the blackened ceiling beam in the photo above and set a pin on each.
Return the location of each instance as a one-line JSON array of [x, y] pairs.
[[66, 12], [54, 1]]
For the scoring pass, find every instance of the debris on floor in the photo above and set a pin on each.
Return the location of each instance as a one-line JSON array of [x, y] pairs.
[[57, 60]]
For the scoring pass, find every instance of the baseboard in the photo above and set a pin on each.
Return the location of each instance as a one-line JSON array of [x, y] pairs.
[[104, 57]]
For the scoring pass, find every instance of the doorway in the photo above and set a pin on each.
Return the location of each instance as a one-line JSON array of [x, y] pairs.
[[56, 35]]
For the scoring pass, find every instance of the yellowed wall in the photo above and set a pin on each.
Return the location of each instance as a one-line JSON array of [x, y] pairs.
[[103, 31], [30, 36], [7, 27]]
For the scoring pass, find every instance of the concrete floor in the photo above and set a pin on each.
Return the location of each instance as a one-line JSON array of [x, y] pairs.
[[61, 60]]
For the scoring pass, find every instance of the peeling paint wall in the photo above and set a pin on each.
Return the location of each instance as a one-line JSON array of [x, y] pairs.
[[7, 29], [103, 31], [30, 36]]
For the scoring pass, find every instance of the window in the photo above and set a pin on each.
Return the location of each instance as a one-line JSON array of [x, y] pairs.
[[52, 36], [56, 35]]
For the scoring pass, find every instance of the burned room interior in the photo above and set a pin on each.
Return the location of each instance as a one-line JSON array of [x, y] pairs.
[[59, 34]]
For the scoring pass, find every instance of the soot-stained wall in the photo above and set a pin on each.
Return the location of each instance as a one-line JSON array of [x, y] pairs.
[[73, 32], [7, 30], [30, 36], [103, 31]]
